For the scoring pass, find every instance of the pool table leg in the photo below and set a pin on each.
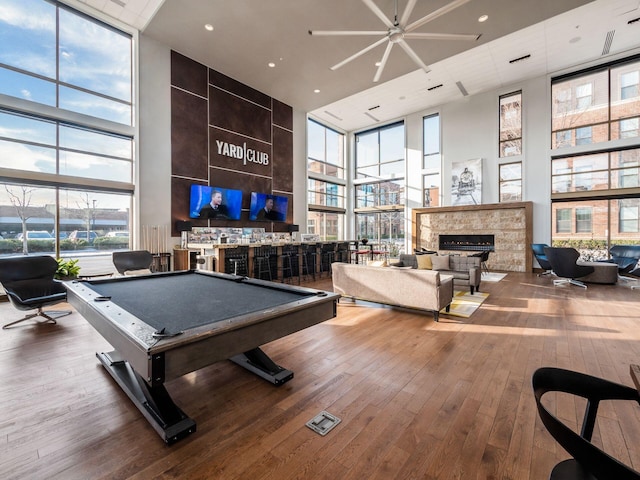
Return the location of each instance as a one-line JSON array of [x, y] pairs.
[[258, 362], [154, 402]]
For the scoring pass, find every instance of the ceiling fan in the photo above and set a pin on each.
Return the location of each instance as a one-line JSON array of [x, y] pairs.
[[398, 32]]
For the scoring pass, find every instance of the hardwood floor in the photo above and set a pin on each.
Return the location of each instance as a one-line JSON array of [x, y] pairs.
[[417, 399]]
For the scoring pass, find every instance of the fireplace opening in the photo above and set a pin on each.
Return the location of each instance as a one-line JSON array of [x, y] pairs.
[[471, 243]]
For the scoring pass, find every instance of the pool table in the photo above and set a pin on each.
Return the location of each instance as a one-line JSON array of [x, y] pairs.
[[165, 325]]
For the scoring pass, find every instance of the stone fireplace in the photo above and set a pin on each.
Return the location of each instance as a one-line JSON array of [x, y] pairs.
[[504, 229]]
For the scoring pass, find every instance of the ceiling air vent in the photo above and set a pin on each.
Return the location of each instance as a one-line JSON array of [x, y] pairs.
[[371, 117], [434, 87], [463, 90], [635, 20], [332, 115], [520, 59], [373, 108], [607, 42]]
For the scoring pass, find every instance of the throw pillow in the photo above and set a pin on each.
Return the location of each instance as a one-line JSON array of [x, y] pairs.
[[424, 262], [377, 263], [440, 262]]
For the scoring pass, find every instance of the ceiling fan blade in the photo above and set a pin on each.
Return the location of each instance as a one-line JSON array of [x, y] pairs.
[[442, 36], [379, 13], [361, 52], [414, 56], [383, 62], [435, 14], [330, 33], [407, 12]]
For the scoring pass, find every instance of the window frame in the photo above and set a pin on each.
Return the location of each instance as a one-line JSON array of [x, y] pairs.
[[62, 118]]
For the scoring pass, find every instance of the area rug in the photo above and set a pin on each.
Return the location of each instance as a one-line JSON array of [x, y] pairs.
[[492, 277], [464, 304]]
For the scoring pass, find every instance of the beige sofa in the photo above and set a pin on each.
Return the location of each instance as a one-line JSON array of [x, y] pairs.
[[464, 269], [422, 289]]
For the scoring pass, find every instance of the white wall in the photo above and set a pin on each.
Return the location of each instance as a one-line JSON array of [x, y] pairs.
[[154, 181], [470, 130]]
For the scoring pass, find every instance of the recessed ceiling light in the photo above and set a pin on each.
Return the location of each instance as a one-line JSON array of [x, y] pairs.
[[483, 18], [271, 64], [317, 90], [209, 27], [378, 64]]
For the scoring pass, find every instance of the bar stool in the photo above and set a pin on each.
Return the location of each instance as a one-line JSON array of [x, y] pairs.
[[342, 252], [239, 265], [287, 267], [327, 257], [262, 263], [309, 256]]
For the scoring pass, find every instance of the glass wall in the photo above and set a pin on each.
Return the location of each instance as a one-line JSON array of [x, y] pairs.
[[67, 139], [595, 194], [326, 183], [432, 161], [511, 124], [380, 187]]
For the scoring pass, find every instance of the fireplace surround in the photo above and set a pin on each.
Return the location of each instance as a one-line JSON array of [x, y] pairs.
[[511, 225]]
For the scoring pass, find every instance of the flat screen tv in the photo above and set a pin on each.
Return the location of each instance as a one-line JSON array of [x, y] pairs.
[[268, 208], [215, 203]]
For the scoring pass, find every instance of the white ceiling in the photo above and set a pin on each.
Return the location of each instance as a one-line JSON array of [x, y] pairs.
[[248, 34]]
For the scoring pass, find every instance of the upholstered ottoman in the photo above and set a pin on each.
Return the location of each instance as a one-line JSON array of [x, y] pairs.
[[603, 273]]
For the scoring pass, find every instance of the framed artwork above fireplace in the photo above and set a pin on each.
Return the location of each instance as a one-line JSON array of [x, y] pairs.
[[466, 182]]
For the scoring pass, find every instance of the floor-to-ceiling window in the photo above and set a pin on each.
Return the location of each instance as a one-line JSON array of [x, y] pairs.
[[595, 187], [432, 161], [67, 133], [326, 184], [380, 187]]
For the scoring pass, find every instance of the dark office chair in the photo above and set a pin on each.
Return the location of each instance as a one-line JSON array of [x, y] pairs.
[[538, 253], [588, 462], [29, 284], [133, 262], [563, 263], [627, 257]]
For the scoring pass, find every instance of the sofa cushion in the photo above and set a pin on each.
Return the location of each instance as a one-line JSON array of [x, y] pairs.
[[440, 262], [424, 262]]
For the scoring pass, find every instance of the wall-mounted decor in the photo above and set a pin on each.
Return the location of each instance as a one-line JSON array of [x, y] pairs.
[[225, 134], [466, 182]]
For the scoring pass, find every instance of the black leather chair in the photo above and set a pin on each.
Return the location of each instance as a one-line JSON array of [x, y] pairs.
[[563, 262], [627, 257], [29, 284], [588, 462], [133, 261], [538, 253]]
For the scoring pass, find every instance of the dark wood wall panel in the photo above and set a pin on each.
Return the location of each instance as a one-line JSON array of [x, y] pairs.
[[282, 114], [255, 147], [244, 119], [238, 115], [189, 135], [282, 159], [239, 89], [188, 74]]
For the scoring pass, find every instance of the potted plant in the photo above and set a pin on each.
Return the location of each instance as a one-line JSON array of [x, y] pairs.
[[67, 269]]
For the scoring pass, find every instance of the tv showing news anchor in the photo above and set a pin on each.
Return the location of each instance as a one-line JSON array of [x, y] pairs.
[[215, 203], [268, 208]]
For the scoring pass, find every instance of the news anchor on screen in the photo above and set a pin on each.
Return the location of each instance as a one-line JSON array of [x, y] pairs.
[[215, 208], [268, 208], [215, 203]]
